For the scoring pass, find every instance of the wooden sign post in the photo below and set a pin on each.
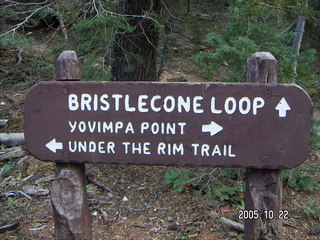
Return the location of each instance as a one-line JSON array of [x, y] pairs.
[[261, 125], [263, 186], [68, 193]]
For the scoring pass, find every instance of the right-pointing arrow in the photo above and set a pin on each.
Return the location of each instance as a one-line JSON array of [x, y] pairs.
[[213, 128], [283, 107], [53, 145]]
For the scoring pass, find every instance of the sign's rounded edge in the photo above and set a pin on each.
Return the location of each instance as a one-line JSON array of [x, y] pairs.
[[26, 112]]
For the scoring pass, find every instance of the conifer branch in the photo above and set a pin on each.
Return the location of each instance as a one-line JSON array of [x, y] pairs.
[[26, 19]]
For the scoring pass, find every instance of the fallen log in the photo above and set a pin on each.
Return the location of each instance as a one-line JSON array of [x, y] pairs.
[[12, 139]]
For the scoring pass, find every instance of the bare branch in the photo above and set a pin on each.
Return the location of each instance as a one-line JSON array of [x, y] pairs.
[[107, 12], [232, 224], [26, 19], [144, 33], [95, 7], [17, 26], [25, 4], [169, 12]]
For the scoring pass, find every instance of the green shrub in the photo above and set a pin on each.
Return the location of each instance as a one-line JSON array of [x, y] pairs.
[[207, 183], [312, 208], [179, 179], [315, 140], [299, 179]]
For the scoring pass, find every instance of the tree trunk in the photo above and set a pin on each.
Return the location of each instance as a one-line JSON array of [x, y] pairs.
[[298, 39], [135, 52]]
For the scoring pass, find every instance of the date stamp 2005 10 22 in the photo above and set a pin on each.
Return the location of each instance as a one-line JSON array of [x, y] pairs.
[[267, 214]]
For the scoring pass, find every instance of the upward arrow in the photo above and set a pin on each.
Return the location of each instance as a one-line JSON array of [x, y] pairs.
[[53, 145], [283, 107], [213, 128]]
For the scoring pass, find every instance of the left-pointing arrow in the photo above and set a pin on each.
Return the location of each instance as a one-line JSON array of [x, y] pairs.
[[53, 145]]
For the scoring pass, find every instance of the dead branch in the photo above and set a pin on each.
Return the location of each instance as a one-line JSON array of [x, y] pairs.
[[99, 184], [298, 39], [23, 3], [13, 194], [18, 53], [110, 13], [8, 227], [11, 153], [169, 12], [232, 224], [63, 29]]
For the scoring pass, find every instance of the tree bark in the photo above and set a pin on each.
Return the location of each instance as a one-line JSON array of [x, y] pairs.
[[135, 52], [298, 39]]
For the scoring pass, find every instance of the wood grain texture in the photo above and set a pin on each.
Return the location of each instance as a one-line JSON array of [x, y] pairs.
[[68, 67], [68, 194], [69, 202], [263, 187]]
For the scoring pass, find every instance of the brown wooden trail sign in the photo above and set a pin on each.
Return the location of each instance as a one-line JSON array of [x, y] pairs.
[[185, 124]]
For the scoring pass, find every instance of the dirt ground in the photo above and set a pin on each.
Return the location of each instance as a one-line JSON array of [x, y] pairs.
[[133, 203]]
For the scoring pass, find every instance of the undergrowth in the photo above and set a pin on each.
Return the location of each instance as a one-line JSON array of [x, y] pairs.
[[222, 184], [216, 183]]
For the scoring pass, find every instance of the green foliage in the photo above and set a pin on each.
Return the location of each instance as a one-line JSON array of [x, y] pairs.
[[12, 203], [177, 79], [225, 192], [15, 41], [5, 169], [179, 179], [89, 188], [235, 236], [253, 27], [315, 140], [97, 34], [300, 179], [91, 32], [209, 184], [229, 173], [307, 77], [95, 68], [92, 39], [230, 192], [311, 208]]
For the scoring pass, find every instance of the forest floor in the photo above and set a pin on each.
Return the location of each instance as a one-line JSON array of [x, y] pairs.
[[132, 202]]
